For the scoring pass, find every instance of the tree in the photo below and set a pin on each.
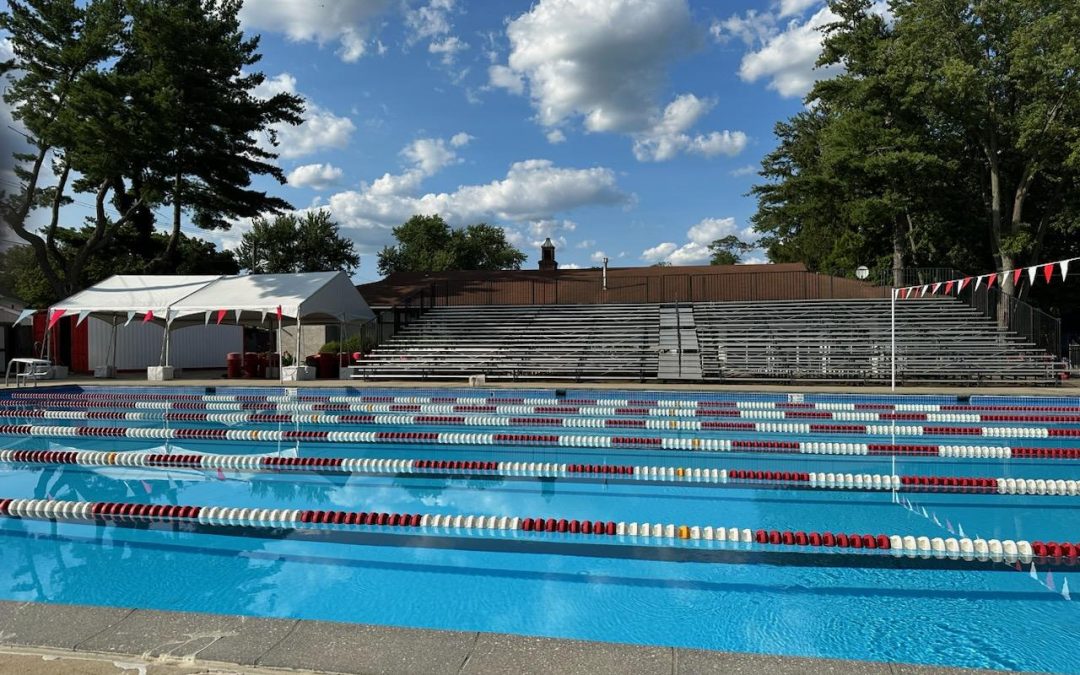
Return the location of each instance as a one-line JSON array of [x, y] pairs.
[[428, 244], [140, 103], [289, 243], [728, 250], [951, 138]]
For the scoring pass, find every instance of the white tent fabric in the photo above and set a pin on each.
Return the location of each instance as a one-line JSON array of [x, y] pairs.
[[312, 297], [123, 293]]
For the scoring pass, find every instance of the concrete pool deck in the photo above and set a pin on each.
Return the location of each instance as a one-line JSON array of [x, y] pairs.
[[90, 640], [215, 379]]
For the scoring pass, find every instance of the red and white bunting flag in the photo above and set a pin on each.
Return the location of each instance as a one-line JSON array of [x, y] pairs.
[[221, 315], [963, 284], [934, 289], [1048, 272], [1031, 274], [206, 317], [923, 294], [1016, 276], [82, 316], [948, 287], [990, 278], [903, 293], [149, 316], [55, 316], [237, 315], [131, 315], [978, 281], [1064, 269], [279, 313]]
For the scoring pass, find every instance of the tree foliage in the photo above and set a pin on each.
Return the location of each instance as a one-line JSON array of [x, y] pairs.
[[951, 138], [728, 250], [428, 244], [291, 243], [139, 103]]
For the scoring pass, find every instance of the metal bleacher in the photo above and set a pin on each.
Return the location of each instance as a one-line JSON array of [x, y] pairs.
[[515, 342], [939, 340]]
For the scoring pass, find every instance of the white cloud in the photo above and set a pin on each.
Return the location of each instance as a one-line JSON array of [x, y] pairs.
[[430, 20], [505, 78], [555, 136], [787, 59], [430, 154], [587, 243], [747, 170], [448, 48], [598, 257], [532, 192], [460, 139], [790, 7], [667, 137], [321, 129], [349, 23], [317, 176], [605, 62], [569, 266], [696, 250], [550, 227], [752, 27]]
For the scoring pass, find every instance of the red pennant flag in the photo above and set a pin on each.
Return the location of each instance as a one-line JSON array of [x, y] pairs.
[[948, 287], [903, 293], [1016, 276], [221, 315], [149, 316], [1048, 271], [279, 313], [990, 278], [963, 283], [55, 316]]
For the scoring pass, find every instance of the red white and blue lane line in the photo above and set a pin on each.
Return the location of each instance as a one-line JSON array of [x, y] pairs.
[[606, 472], [992, 550]]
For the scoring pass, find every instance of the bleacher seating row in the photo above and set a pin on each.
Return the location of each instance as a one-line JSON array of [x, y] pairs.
[[938, 340]]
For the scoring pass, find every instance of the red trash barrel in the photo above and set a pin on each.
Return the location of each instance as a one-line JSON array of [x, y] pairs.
[[233, 364], [251, 364], [327, 366]]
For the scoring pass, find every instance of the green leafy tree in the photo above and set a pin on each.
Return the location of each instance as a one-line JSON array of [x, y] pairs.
[[428, 244], [728, 250], [140, 103], [288, 243]]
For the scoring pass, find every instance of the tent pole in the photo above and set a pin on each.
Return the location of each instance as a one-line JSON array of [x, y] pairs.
[[280, 365], [296, 358]]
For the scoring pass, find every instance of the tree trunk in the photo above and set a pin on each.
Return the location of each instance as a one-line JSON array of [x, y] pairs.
[[898, 253]]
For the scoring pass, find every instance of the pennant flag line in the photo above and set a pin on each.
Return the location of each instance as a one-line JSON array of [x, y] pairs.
[[1031, 275], [56, 314], [279, 313], [221, 315], [1048, 271], [82, 316], [1064, 269], [206, 317], [131, 315], [149, 316], [24, 315]]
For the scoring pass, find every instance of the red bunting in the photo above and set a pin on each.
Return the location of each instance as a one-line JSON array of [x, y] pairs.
[[963, 283], [1016, 275], [55, 316], [990, 278], [221, 315], [279, 313], [903, 293], [948, 287], [1048, 271], [149, 316]]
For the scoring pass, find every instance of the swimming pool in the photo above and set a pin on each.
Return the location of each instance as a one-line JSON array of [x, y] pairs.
[[915, 529]]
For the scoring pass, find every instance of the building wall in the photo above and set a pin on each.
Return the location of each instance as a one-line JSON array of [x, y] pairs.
[[311, 339], [138, 345]]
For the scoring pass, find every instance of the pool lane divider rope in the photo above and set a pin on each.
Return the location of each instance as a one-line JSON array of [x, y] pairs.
[[543, 401], [576, 417], [473, 468], [448, 418], [547, 440], [663, 534]]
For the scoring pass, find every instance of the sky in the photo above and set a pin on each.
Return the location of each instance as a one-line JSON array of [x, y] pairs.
[[627, 129]]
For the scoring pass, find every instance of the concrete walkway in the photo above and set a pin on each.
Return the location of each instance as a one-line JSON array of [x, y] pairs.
[[44, 638]]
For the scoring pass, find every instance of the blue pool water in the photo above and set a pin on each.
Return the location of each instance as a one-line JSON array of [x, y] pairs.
[[989, 616]]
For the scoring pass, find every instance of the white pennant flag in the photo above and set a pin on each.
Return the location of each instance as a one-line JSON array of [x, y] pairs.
[[978, 282], [934, 290], [1031, 274], [206, 317], [1064, 264], [262, 320], [238, 311], [82, 316], [24, 315], [924, 290], [131, 315]]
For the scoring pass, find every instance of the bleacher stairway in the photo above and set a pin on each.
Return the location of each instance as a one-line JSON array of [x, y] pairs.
[[938, 340]]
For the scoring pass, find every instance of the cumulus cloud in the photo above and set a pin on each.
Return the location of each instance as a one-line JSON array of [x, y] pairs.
[[555, 136], [605, 63], [696, 250], [747, 170], [598, 257], [447, 48], [320, 130], [569, 266], [532, 193], [667, 137], [347, 23], [430, 20], [317, 176], [460, 139], [586, 243]]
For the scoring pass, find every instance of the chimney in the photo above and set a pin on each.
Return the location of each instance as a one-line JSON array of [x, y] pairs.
[[547, 256]]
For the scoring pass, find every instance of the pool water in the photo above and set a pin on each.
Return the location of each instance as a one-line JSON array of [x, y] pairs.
[[834, 605]]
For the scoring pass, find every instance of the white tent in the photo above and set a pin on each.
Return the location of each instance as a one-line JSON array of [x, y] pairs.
[[178, 301]]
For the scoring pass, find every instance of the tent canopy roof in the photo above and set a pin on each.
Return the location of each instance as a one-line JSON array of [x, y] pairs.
[[314, 297]]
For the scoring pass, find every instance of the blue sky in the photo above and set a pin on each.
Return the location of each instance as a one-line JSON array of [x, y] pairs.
[[626, 128]]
